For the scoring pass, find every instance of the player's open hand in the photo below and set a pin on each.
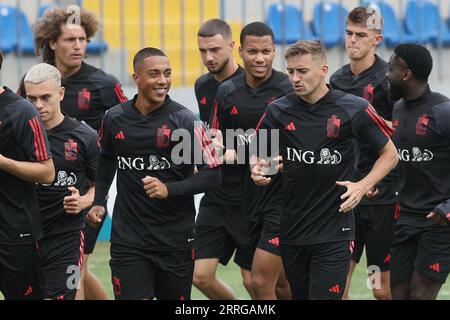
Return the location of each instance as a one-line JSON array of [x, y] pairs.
[[155, 188], [72, 203], [355, 192], [258, 173], [95, 216]]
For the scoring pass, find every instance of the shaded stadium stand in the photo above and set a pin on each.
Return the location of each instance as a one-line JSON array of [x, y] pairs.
[[393, 30], [15, 30], [43, 7], [328, 23], [24, 33], [7, 23], [418, 21], [427, 23], [287, 23]]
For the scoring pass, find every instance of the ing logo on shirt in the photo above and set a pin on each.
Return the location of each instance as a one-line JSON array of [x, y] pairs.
[[154, 163], [65, 179], [326, 156], [416, 155]]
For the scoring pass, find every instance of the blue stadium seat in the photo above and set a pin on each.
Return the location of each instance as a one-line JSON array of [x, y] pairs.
[[25, 38], [7, 23], [16, 33], [287, 23], [424, 20], [96, 47], [44, 7], [393, 31], [328, 23], [439, 31]]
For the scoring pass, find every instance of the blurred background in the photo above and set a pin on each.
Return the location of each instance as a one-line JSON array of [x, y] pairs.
[[171, 25]]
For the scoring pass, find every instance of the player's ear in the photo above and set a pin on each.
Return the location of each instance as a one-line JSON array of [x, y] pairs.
[[52, 45], [325, 68], [407, 74], [240, 52], [62, 91], [135, 77], [232, 44], [378, 39]]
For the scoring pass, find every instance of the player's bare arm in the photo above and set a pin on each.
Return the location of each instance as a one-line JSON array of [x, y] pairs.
[[40, 172]]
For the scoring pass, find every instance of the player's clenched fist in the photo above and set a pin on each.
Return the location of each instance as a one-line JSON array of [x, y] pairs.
[[155, 188], [95, 216]]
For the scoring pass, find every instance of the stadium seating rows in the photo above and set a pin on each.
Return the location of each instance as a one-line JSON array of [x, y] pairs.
[[422, 23], [16, 34], [140, 23]]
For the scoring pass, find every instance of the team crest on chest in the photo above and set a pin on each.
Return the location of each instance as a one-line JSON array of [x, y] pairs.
[[421, 126], [163, 136], [368, 92], [333, 126], [84, 99], [271, 99], [70, 150]]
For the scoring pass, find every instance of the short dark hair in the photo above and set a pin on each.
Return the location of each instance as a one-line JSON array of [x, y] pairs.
[[145, 53], [1, 59], [360, 15], [312, 47], [215, 26], [417, 57], [257, 29]]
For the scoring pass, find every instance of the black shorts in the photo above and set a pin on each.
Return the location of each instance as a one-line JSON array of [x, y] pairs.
[[219, 231], [424, 249], [20, 272], [138, 274], [91, 235], [62, 259], [374, 230], [265, 234], [317, 271]]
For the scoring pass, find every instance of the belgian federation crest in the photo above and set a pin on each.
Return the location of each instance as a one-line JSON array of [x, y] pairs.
[[84, 99], [70, 150], [368, 92], [421, 126], [163, 136], [333, 126]]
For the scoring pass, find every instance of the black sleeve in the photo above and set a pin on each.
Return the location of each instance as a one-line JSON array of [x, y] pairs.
[[216, 120], [442, 116], [106, 167], [29, 130], [105, 175], [21, 91], [204, 180], [266, 137], [368, 126], [112, 94], [89, 139]]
